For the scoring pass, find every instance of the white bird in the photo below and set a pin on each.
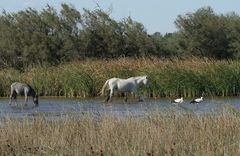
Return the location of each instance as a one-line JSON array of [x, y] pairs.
[[177, 101], [197, 101]]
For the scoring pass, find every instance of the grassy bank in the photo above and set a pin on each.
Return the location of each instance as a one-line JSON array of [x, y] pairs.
[[172, 78], [153, 134]]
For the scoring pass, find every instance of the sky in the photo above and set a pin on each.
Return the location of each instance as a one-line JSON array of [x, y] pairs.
[[155, 15]]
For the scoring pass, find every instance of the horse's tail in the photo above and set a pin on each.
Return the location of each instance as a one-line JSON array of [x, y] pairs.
[[104, 88]]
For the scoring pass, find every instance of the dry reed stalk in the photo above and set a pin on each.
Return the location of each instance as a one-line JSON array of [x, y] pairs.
[[153, 134]]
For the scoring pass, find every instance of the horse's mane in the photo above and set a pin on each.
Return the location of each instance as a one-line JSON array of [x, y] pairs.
[[138, 77], [32, 90]]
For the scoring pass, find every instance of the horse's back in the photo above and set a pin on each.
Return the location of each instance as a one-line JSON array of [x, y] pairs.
[[127, 85], [20, 87], [14, 84], [19, 84], [113, 80]]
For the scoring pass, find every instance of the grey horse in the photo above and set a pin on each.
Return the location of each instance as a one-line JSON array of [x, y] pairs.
[[23, 89]]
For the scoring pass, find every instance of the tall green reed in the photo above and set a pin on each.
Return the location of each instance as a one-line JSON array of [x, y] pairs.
[[170, 78]]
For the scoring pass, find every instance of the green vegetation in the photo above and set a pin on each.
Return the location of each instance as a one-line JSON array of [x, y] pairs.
[[152, 134], [72, 54], [47, 37], [60, 53], [188, 78]]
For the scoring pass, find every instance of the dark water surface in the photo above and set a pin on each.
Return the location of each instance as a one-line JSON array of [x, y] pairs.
[[60, 107]]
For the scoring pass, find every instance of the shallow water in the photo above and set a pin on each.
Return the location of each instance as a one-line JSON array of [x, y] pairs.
[[57, 108]]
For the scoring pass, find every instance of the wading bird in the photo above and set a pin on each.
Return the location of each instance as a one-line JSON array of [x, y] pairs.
[[197, 101], [177, 101]]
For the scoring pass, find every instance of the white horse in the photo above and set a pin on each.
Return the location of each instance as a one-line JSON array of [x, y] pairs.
[[124, 85]]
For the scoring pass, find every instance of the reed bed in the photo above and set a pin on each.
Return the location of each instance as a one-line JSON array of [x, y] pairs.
[[170, 78], [152, 134]]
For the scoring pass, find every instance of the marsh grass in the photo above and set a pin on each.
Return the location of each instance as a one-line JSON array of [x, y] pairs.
[[151, 134], [170, 78]]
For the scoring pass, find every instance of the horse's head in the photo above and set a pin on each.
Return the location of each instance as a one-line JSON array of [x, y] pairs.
[[146, 81], [35, 100]]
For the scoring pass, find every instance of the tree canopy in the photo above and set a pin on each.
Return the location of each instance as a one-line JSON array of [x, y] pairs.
[[48, 37]]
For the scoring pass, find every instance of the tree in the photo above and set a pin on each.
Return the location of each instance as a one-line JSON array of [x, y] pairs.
[[204, 33], [233, 34], [9, 44], [70, 29], [102, 36]]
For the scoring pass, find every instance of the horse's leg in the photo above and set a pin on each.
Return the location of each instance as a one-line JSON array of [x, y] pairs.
[[15, 99], [137, 94], [13, 96], [10, 101], [26, 98], [110, 94], [140, 97], [126, 97]]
